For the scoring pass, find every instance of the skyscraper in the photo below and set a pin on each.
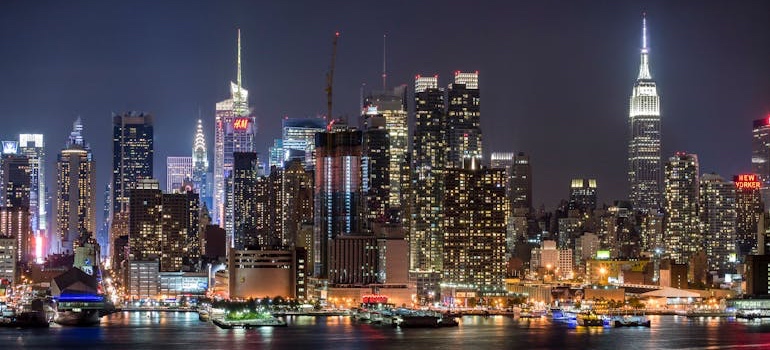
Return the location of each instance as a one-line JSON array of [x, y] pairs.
[[297, 201], [476, 211], [682, 227], [504, 160], [178, 170], [75, 190], [644, 163], [31, 145], [718, 219], [428, 164], [132, 160], [521, 185], [245, 199], [749, 208], [338, 197], [15, 191], [760, 149], [582, 195], [376, 168], [234, 132], [391, 105], [462, 118], [200, 162], [299, 138]]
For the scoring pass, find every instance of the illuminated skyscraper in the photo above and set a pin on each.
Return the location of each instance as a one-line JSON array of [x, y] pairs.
[[31, 145], [644, 163], [299, 138], [463, 116], [234, 132], [75, 190], [245, 199], [391, 105], [749, 207], [338, 198], [376, 169], [428, 164], [297, 201], [521, 182], [476, 211], [682, 227], [15, 191], [760, 150], [200, 162], [582, 195], [504, 160], [132, 160], [178, 170], [717, 217]]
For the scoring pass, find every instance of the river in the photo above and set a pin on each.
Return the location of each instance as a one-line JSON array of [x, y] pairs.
[[179, 330]]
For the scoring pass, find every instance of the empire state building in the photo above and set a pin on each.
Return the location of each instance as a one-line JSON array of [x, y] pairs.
[[644, 164]]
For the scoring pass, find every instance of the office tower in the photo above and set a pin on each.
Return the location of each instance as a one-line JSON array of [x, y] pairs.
[[462, 118], [476, 211], [391, 105], [682, 227], [521, 182], [375, 168], [428, 164], [31, 146], [760, 149], [277, 155], [276, 237], [718, 219], [749, 208], [338, 197], [14, 222], [200, 160], [75, 190], [299, 138], [161, 226], [245, 198], [582, 195], [132, 160], [644, 162], [103, 237], [234, 131], [178, 171], [297, 201]]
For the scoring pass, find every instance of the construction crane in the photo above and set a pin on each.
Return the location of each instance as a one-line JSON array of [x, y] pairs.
[[330, 78]]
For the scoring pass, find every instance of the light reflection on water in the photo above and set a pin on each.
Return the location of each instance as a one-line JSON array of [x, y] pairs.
[[178, 330]]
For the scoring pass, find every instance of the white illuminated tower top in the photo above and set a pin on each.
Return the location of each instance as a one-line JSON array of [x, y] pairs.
[[644, 172], [199, 147]]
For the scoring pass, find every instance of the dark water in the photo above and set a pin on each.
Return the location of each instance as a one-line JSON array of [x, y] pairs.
[[135, 330]]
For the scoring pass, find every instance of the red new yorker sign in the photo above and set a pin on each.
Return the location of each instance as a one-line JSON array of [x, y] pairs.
[[747, 182]]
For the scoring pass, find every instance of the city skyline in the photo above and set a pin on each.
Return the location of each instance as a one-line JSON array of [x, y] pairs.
[[712, 83]]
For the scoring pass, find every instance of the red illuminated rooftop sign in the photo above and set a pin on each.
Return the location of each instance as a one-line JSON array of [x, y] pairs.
[[241, 123], [747, 182]]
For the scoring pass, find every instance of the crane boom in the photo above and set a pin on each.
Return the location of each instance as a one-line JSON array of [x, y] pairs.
[[330, 78]]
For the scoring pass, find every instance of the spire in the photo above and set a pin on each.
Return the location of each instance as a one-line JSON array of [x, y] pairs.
[[199, 146], [644, 67], [239, 60], [384, 71], [76, 136]]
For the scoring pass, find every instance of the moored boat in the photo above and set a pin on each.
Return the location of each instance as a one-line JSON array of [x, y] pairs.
[[590, 319]]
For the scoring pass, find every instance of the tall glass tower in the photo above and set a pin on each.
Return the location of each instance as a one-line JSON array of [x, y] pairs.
[[234, 131], [644, 164]]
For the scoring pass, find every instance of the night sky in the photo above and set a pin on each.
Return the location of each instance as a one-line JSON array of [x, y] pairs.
[[555, 76]]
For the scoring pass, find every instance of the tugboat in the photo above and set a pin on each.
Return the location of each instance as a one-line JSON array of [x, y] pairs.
[[590, 319]]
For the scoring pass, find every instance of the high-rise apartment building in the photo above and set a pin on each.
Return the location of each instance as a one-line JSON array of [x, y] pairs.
[[428, 164], [521, 182], [178, 171], [132, 160], [718, 220], [462, 118], [682, 227], [245, 198], [234, 131], [297, 201], [15, 191], [476, 211], [75, 191], [299, 139], [14, 223], [644, 162], [375, 169]]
